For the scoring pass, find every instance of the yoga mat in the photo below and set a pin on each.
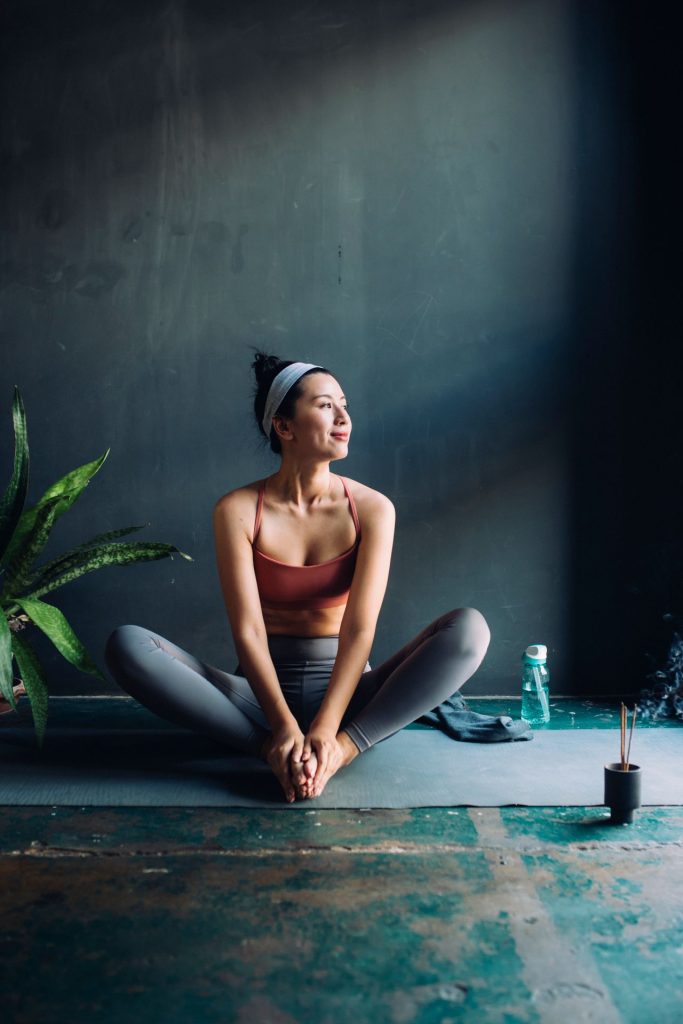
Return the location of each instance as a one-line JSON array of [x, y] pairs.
[[413, 768]]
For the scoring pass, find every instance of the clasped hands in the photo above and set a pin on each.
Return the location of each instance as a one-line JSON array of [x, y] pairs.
[[302, 763]]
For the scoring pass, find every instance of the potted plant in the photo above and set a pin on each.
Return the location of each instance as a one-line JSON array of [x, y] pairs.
[[23, 585]]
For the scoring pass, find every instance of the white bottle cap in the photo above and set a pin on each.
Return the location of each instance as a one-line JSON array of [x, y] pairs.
[[537, 651]]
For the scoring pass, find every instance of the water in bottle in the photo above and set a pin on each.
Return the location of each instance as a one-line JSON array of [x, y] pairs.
[[535, 680]]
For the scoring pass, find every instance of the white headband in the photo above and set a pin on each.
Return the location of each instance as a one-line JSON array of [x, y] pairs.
[[279, 387]]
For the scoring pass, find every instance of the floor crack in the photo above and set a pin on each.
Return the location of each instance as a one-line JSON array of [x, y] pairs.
[[39, 849]]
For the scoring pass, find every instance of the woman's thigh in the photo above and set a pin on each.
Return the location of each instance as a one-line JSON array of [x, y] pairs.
[[372, 680], [138, 647]]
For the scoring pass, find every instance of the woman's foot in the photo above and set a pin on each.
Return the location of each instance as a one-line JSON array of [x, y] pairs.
[[302, 773], [349, 752], [5, 706]]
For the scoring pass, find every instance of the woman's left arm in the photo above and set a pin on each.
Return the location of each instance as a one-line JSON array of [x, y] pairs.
[[357, 629]]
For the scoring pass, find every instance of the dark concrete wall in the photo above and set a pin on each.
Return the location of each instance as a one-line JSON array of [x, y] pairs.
[[436, 200]]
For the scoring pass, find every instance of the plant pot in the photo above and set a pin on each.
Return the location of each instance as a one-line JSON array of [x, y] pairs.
[[622, 792]]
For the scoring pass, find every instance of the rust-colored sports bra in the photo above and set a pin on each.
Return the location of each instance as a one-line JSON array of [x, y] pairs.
[[323, 585]]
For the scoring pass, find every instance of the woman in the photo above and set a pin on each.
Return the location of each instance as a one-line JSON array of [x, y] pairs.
[[303, 616]]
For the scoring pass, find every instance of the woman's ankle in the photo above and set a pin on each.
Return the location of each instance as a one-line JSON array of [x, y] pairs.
[[348, 745]]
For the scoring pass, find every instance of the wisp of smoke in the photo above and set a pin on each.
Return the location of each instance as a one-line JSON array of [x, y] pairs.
[[664, 698]]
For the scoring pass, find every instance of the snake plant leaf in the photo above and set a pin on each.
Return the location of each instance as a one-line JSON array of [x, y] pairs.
[[56, 628], [78, 479], [69, 488], [14, 497], [33, 678], [111, 554], [50, 570], [6, 662], [31, 543]]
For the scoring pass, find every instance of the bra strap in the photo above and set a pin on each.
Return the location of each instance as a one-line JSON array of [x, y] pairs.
[[352, 503], [259, 507]]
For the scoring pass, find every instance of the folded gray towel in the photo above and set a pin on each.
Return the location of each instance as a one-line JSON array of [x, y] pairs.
[[454, 718]]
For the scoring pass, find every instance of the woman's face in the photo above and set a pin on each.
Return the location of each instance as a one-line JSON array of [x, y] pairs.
[[322, 419]]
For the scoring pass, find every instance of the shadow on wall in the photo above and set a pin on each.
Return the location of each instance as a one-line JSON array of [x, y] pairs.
[[114, 67]]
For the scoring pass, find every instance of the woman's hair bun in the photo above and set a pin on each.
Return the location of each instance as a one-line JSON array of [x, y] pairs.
[[265, 366]]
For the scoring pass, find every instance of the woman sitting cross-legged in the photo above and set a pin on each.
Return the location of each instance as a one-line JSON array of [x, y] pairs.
[[303, 558]]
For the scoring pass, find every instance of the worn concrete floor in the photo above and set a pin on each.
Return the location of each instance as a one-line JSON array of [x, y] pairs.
[[430, 915]]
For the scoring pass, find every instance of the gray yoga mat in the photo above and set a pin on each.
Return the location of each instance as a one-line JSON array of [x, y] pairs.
[[413, 768]]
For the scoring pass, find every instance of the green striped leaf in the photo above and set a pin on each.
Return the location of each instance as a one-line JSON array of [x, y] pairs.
[[69, 488], [49, 571], [111, 554], [6, 661], [33, 678], [31, 543], [56, 628], [14, 497]]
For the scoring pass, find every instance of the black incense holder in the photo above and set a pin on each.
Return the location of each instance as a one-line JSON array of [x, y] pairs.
[[622, 792]]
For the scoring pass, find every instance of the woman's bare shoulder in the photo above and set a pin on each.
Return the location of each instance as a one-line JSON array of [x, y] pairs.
[[241, 501], [369, 502]]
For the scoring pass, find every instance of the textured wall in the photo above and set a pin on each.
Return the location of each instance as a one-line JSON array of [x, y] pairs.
[[417, 195]]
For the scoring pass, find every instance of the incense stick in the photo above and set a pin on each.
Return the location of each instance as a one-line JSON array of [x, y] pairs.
[[628, 752], [623, 736]]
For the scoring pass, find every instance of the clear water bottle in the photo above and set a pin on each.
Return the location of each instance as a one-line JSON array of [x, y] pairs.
[[535, 679]]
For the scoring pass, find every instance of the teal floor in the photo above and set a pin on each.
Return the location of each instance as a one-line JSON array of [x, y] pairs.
[[193, 915]]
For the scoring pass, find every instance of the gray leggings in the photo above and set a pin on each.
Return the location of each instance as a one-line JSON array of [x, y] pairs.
[[189, 692]]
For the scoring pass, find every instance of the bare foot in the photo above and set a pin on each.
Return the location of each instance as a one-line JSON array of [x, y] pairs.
[[302, 773], [349, 751], [5, 706]]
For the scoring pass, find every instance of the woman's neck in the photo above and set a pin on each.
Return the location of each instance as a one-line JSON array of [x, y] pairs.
[[301, 485]]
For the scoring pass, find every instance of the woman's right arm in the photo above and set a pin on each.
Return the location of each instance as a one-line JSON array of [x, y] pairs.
[[235, 562]]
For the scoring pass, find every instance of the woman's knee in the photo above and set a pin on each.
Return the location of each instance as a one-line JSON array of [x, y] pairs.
[[123, 642], [469, 629]]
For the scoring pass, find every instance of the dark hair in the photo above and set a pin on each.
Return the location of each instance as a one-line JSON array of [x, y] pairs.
[[266, 368]]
